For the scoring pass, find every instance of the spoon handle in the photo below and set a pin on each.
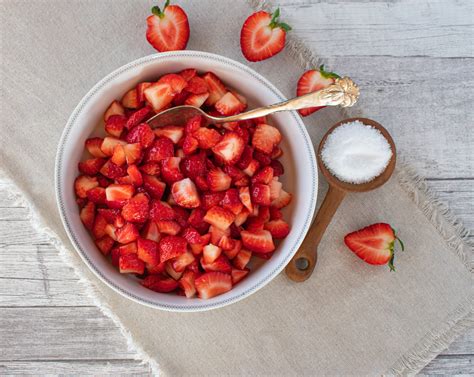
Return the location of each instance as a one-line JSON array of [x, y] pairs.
[[302, 265], [343, 92]]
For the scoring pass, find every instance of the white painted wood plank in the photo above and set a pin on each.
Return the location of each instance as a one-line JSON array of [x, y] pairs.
[[432, 28], [449, 366]]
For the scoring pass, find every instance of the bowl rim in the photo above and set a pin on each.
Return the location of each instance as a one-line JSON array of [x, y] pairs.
[[60, 192]]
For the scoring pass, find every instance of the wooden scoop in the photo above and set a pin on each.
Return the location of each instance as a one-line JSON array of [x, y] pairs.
[[302, 265]]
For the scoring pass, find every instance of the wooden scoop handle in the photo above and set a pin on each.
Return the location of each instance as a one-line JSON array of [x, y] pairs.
[[302, 265]]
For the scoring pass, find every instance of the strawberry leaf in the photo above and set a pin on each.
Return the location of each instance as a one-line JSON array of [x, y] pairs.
[[274, 23], [328, 75]]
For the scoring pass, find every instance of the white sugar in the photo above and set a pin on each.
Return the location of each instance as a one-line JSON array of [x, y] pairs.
[[356, 153]]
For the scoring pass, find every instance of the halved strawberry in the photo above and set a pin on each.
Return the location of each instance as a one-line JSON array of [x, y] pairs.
[[258, 241], [91, 166], [278, 228], [229, 148], [265, 138], [244, 195], [109, 143], [186, 283], [283, 200], [374, 244], [126, 234], [229, 104], [138, 116], [211, 253], [242, 259], [168, 30], [115, 108], [170, 169], [93, 146], [218, 180], [161, 211], [105, 244], [161, 148], [312, 81], [207, 137], [159, 95], [181, 262], [130, 264], [238, 275], [196, 100], [185, 194], [262, 35], [260, 194], [115, 125], [216, 88], [88, 215], [221, 264], [219, 217], [136, 209], [168, 227], [83, 184], [160, 284], [153, 186], [174, 133], [141, 133], [119, 192], [171, 247], [212, 284]]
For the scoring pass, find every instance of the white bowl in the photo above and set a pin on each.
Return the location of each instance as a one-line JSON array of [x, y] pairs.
[[300, 176]]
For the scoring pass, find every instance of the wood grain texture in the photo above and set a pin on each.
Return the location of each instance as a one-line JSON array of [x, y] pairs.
[[413, 62]]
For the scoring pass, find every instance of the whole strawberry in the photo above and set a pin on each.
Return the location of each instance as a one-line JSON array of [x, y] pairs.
[[374, 244], [263, 35], [311, 81], [168, 29]]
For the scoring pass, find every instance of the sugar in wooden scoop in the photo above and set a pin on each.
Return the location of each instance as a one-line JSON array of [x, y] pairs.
[[356, 153]]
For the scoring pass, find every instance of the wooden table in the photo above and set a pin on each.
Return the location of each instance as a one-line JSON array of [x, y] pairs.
[[418, 56]]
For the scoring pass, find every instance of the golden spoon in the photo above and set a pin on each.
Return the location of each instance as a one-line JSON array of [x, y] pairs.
[[342, 92]]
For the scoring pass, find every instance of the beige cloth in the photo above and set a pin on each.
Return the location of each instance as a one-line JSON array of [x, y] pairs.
[[349, 318]]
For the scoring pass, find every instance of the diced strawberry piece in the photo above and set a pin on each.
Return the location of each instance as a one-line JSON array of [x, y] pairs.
[[194, 166], [229, 104], [207, 137], [152, 168], [142, 134], [131, 100], [119, 192], [278, 228], [242, 259], [260, 194], [105, 244], [141, 86], [243, 131], [137, 117], [91, 166], [161, 149], [231, 253], [244, 195], [229, 148], [254, 224], [211, 199], [190, 144], [136, 209], [170, 170], [156, 269], [159, 95], [176, 275], [147, 251], [114, 257], [88, 215], [188, 73], [136, 177], [238, 275], [112, 171], [251, 168], [193, 124], [160, 284], [115, 125], [171, 247], [218, 180], [129, 263], [283, 200], [129, 248], [264, 213], [192, 236], [233, 172], [277, 168], [100, 223], [246, 157], [211, 253], [109, 143], [151, 232], [196, 220], [219, 217], [197, 85], [132, 152], [221, 264], [185, 194], [263, 158], [181, 215], [110, 215], [216, 88], [127, 233], [226, 243], [153, 186], [93, 146], [174, 133], [258, 241], [217, 233], [118, 158], [176, 82], [201, 183], [275, 214], [115, 108], [186, 283], [212, 284], [161, 211], [241, 217], [231, 201], [181, 262], [196, 100], [83, 184], [168, 227], [265, 138], [275, 189], [264, 175]]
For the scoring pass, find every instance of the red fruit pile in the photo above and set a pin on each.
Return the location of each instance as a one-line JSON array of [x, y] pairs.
[[186, 206]]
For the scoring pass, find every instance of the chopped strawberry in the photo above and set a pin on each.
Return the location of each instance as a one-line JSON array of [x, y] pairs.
[[91, 166], [246, 157], [105, 244], [132, 152], [207, 137], [136, 209], [265, 138], [181, 262], [174, 133], [312, 81], [244, 195], [88, 215], [176, 82], [211, 253], [217, 234], [119, 192], [127, 233], [142, 134], [186, 283], [275, 214], [197, 85], [241, 217], [188, 73], [264, 175], [171, 247], [226, 243], [196, 100], [131, 100], [211, 199], [100, 223], [212, 284], [147, 251], [242, 259], [93, 146], [277, 153], [194, 166], [83, 184], [275, 189], [221, 264], [115, 108], [254, 224], [168, 227], [109, 144], [151, 232], [229, 148], [181, 215], [160, 284], [229, 105], [283, 200], [185, 194], [159, 96], [219, 217], [238, 275], [263, 158], [278, 228], [151, 168], [170, 169], [168, 29], [374, 244], [196, 220], [118, 158], [263, 35], [159, 268], [153, 186], [161, 148], [218, 180], [190, 145], [258, 242], [110, 231], [138, 116], [161, 211], [231, 201], [277, 168], [231, 253], [193, 124], [260, 194], [141, 86], [130, 264], [115, 125], [216, 88], [252, 167]]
